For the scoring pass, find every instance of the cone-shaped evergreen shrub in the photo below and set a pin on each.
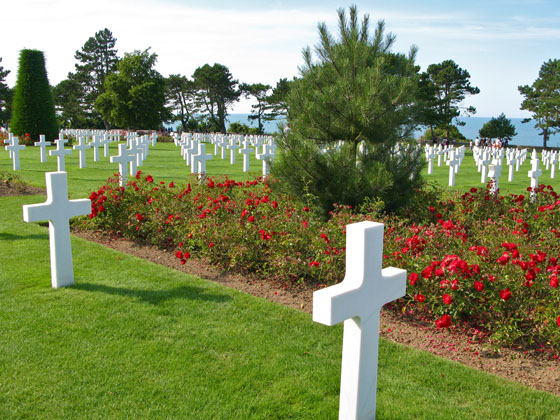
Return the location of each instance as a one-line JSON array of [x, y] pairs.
[[349, 114], [33, 103]]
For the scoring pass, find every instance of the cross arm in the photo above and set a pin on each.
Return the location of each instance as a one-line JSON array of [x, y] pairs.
[[335, 304], [36, 212]]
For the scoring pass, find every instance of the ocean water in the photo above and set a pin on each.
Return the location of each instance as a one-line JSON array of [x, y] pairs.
[[527, 134]]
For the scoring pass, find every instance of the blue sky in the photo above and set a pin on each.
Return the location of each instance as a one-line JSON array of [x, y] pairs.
[[502, 43]]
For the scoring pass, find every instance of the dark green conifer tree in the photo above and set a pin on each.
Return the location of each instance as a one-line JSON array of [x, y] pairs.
[[33, 104]]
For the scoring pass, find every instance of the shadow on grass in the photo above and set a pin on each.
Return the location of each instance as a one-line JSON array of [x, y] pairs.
[[12, 237], [155, 297]]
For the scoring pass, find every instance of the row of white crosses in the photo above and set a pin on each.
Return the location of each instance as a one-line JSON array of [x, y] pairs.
[[194, 153], [356, 301]]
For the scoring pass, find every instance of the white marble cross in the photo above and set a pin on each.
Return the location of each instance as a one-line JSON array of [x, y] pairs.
[[233, 146], [96, 143], [8, 142], [81, 147], [266, 156], [512, 162], [42, 147], [430, 155], [14, 148], [484, 166], [534, 174], [553, 159], [357, 301], [105, 142], [452, 162], [246, 151], [198, 161], [123, 158], [60, 152], [154, 139], [494, 172], [58, 210]]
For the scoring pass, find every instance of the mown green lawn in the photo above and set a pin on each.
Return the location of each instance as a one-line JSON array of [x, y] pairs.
[[136, 340]]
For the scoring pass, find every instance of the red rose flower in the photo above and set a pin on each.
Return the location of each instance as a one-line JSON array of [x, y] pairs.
[[413, 277], [179, 254], [306, 208], [479, 286], [558, 321], [139, 217], [420, 298], [505, 294], [314, 264], [554, 281], [444, 321], [447, 299]]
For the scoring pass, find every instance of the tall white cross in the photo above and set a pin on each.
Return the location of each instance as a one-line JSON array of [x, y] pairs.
[[512, 162], [452, 162], [60, 152], [484, 166], [14, 149], [42, 147], [81, 147], [96, 143], [198, 161], [553, 159], [123, 158], [534, 174], [105, 142], [494, 172], [233, 146], [246, 151], [430, 155], [58, 210], [266, 156], [357, 301], [8, 142], [154, 139]]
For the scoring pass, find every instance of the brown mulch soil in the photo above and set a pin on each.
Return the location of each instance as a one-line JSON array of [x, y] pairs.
[[539, 370], [7, 188]]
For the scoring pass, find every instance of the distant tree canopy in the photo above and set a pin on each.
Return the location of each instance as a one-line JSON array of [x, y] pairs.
[[134, 96], [441, 89], [33, 104], [181, 96], [542, 99], [346, 114], [500, 127], [259, 91], [217, 90]]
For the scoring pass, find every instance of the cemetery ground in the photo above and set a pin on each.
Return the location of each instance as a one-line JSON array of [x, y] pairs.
[[134, 339]]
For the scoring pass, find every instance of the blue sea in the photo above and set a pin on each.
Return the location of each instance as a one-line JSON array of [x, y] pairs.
[[527, 135]]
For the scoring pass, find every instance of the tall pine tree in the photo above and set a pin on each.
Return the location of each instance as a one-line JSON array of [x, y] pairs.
[[5, 96], [346, 114], [96, 60], [33, 104]]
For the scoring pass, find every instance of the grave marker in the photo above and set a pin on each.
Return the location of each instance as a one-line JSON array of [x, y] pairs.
[[357, 301], [123, 158], [42, 145], [82, 146], [246, 151], [60, 152], [58, 210], [14, 149]]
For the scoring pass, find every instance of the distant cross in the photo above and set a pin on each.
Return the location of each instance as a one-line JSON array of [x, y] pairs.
[[96, 143], [123, 158], [430, 155], [42, 147], [439, 152], [485, 161], [534, 174], [129, 136], [133, 153], [198, 161], [266, 156], [154, 139], [512, 162], [494, 172], [60, 152], [8, 142], [233, 146], [58, 210], [357, 301], [222, 142], [14, 148], [452, 162], [246, 151], [190, 150], [553, 162], [105, 141], [81, 147]]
